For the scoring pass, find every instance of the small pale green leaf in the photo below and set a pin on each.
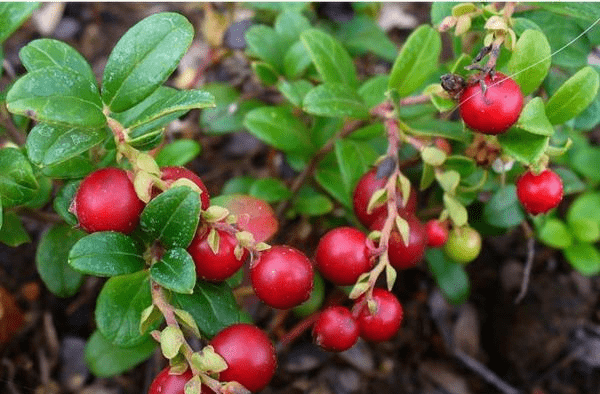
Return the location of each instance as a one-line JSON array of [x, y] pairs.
[[150, 317], [57, 95], [573, 96], [417, 59], [187, 321], [178, 153], [390, 276], [264, 43], [448, 180], [503, 210], [534, 120], [106, 253], [175, 271], [403, 229], [585, 230], [144, 58], [378, 199], [106, 359], [433, 156], [51, 260], [554, 233], [172, 217], [270, 190], [278, 127], [450, 276], [48, 144], [585, 258], [523, 146], [119, 308], [456, 210], [330, 58], [17, 182], [335, 100], [171, 339], [212, 306], [12, 15], [12, 232], [427, 177], [530, 60], [294, 91]]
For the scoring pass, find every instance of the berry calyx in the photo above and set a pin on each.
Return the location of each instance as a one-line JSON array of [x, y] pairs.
[[335, 329], [171, 174], [363, 192], [215, 267], [494, 111], [385, 322], [404, 256], [342, 255], [463, 245], [437, 233], [167, 383], [249, 354], [282, 277], [107, 201], [539, 193]]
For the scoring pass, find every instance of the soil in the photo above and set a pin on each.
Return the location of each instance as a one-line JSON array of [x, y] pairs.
[[547, 343]]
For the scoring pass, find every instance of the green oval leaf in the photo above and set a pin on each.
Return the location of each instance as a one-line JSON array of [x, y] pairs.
[[106, 253], [294, 91], [296, 60], [573, 96], [335, 100], [63, 200], [417, 59], [450, 276], [178, 153], [328, 176], [106, 359], [278, 127], [354, 159], [373, 90], [12, 15], [330, 58], [17, 182], [530, 61], [119, 308], [309, 202], [270, 190], [585, 207], [12, 232], [585, 258], [144, 58], [172, 217], [362, 34], [554, 233], [289, 25], [48, 144], [523, 145], [212, 306], [534, 120], [504, 210], [585, 230], [51, 260], [175, 271], [264, 43], [57, 95]]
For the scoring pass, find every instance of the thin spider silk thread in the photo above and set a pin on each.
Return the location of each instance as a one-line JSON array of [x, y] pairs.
[[534, 64]]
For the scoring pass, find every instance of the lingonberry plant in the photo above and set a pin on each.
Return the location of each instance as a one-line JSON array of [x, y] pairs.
[[373, 158]]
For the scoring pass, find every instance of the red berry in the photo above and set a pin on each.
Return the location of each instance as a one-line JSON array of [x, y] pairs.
[[365, 188], [405, 256], [249, 354], [215, 267], [443, 144], [342, 255], [494, 111], [166, 383], [437, 233], [107, 201], [385, 322], [171, 174], [539, 193], [282, 277], [336, 329]]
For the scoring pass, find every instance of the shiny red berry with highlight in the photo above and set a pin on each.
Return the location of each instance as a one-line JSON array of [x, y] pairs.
[[336, 329], [166, 383], [494, 111], [282, 277], [249, 354], [366, 186], [171, 174], [342, 255], [385, 322], [437, 233], [215, 267], [107, 201], [539, 193]]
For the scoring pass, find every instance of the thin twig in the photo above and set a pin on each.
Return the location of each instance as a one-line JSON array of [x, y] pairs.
[[16, 135], [348, 129], [483, 371], [529, 263]]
